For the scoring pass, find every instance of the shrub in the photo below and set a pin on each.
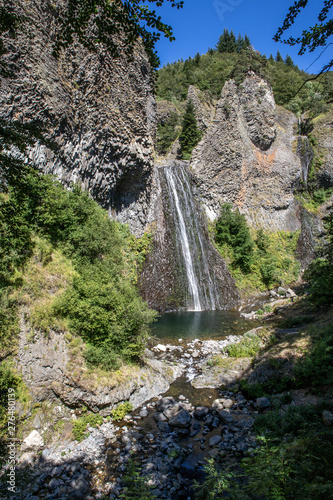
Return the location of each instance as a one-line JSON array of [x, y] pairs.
[[166, 134], [80, 425], [247, 347], [103, 357], [269, 271], [121, 410], [231, 229], [135, 484]]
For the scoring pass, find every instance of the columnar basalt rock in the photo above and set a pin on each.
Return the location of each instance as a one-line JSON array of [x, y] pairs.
[[98, 112], [204, 111], [248, 157]]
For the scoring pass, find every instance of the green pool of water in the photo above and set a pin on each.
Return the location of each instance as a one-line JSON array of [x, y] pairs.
[[203, 325]]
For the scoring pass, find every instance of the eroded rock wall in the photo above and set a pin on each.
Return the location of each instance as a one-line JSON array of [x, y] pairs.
[[98, 112], [248, 157], [323, 134]]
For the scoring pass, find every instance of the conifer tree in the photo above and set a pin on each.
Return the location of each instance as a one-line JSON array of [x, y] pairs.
[[227, 42], [190, 134], [278, 57], [288, 61]]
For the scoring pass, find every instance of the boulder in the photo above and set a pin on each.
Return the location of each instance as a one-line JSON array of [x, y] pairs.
[[32, 442], [263, 403], [226, 417], [290, 294], [80, 490], [327, 418], [165, 403], [214, 440], [181, 419], [200, 412], [159, 417], [218, 404]]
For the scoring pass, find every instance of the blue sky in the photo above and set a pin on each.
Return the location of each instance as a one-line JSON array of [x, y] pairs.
[[200, 23]]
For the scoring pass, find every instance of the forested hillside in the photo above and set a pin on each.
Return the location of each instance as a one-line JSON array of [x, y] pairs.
[[233, 58]]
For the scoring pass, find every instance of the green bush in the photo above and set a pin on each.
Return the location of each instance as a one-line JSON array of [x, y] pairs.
[[102, 304], [135, 484], [80, 425], [121, 410], [269, 271], [247, 347], [166, 134], [102, 356]]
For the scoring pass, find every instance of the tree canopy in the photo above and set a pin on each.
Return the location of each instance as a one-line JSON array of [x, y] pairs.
[[313, 37]]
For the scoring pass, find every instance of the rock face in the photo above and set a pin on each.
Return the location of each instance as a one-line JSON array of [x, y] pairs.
[[204, 111], [323, 132], [246, 157], [98, 112], [43, 363]]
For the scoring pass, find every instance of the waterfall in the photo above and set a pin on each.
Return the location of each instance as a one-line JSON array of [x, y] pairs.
[[305, 154], [191, 241]]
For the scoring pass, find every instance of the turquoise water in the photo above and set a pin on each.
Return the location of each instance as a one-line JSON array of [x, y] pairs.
[[202, 325]]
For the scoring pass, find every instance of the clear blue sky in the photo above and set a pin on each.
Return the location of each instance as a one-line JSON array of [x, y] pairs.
[[200, 23]]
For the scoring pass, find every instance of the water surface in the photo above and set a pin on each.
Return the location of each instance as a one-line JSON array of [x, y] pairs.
[[204, 325]]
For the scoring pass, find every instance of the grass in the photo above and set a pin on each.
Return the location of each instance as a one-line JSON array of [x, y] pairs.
[[46, 276], [296, 321], [249, 345]]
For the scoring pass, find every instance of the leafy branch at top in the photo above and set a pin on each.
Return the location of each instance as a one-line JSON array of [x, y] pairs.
[[313, 37], [99, 21]]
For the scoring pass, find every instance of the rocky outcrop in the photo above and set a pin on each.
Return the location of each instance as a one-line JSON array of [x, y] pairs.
[[44, 364], [204, 111], [165, 111], [323, 133], [98, 112], [248, 157]]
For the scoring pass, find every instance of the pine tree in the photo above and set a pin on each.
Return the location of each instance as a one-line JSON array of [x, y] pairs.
[[190, 134], [243, 43], [288, 61], [227, 42], [278, 57]]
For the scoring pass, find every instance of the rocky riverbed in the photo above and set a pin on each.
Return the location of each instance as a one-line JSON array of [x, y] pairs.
[[168, 437]]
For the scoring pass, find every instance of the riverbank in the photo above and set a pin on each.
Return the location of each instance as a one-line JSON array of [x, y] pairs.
[[210, 411]]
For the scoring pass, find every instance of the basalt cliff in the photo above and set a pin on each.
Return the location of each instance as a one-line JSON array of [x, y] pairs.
[[96, 112]]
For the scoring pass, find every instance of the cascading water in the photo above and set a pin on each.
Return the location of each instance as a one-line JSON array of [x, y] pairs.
[[202, 290]]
